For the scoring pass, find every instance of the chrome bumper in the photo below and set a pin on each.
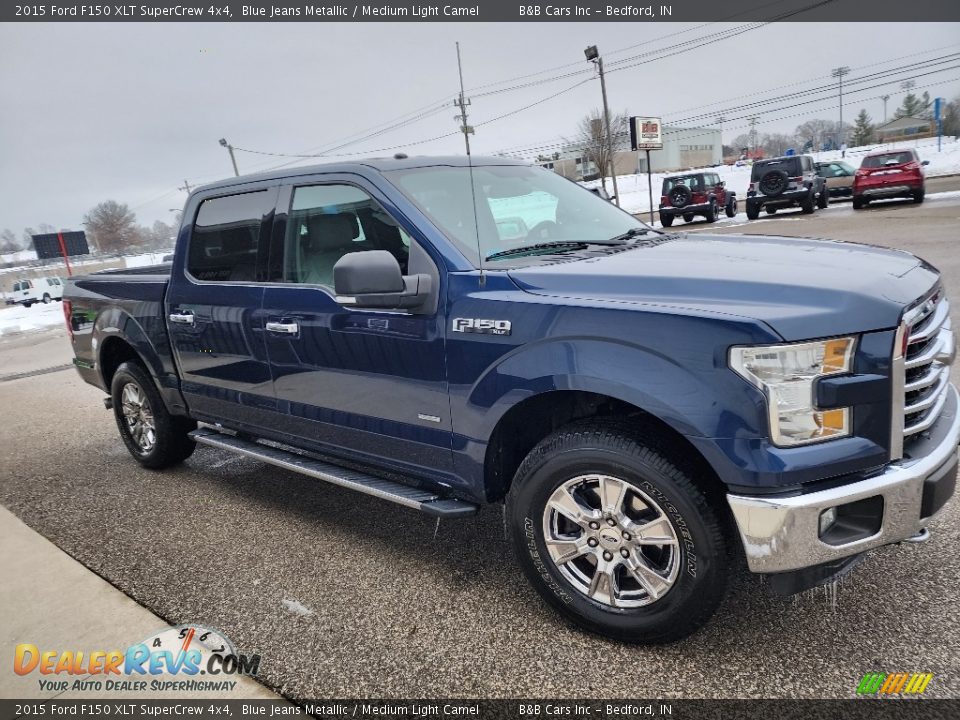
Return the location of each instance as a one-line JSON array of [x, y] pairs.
[[782, 533]]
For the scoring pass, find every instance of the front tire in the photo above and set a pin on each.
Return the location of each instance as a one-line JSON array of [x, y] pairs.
[[615, 536], [858, 202], [154, 437]]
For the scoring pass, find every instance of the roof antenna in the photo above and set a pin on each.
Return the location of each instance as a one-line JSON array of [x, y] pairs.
[[461, 101]]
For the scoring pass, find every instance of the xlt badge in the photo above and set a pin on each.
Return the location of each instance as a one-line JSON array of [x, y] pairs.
[[482, 325]]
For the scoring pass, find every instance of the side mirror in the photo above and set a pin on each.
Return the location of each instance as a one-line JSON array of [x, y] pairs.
[[372, 279], [925, 162], [722, 184]]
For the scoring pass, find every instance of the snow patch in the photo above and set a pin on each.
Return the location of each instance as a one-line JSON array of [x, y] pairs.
[[296, 607]]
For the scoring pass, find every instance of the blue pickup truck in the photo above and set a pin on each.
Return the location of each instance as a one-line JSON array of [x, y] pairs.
[[651, 408]]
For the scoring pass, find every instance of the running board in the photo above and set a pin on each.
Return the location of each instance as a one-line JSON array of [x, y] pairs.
[[423, 500]]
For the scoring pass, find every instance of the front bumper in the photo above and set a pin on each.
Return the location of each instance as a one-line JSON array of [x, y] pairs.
[[782, 534]]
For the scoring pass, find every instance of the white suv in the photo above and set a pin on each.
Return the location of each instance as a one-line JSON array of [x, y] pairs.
[[44, 289]]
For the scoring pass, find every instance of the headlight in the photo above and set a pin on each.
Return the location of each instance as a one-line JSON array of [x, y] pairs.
[[786, 374]]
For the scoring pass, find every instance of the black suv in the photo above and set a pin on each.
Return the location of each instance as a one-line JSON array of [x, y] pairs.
[[789, 181]]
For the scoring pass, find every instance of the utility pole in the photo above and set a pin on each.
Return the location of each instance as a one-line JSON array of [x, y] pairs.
[[838, 73], [593, 55], [884, 98], [229, 148], [462, 102], [753, 134], [186, 187]]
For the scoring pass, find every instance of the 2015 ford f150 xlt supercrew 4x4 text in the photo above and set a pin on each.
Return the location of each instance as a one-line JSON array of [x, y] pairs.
[[445, 333]]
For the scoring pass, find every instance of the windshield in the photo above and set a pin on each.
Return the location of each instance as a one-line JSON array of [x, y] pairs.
[[516, 206], [894, 158]]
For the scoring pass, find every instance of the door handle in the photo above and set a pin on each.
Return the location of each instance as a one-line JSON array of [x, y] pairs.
[[288, 328], [184, 318]]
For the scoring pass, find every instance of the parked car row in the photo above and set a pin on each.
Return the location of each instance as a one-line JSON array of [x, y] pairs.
[[794, 181]]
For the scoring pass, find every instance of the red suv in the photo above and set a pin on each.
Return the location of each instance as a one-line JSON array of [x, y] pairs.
[[888, 174], [697, 193]]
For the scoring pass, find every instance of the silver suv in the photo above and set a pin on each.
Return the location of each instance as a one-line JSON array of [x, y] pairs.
[[789, 181]]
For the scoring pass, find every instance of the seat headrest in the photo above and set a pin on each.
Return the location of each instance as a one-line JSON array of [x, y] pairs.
[[333, 231]]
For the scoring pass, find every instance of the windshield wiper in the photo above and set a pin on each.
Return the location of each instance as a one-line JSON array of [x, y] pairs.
[[632, 233], [553, 245]]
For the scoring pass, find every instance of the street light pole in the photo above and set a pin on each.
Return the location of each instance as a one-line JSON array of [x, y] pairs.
[[593, 55], [838, 73], [229, 147], [884, 98]]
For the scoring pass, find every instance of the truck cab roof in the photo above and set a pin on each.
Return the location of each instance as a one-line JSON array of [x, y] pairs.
[[380, 164]]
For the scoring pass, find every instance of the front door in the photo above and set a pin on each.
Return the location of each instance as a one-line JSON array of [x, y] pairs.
[[214, 309], [372, 383]]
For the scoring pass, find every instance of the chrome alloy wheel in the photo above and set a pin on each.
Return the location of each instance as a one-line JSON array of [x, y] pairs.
[[139, 417], [611, 541]]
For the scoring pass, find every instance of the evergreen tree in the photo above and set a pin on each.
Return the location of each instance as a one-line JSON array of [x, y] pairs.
[[862, 129], [914, 106]]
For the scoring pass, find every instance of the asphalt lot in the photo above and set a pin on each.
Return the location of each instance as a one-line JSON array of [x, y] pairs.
[[393, 610]]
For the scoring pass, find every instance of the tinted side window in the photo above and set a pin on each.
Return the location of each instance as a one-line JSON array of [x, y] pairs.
[[226, 237], [328, 221]]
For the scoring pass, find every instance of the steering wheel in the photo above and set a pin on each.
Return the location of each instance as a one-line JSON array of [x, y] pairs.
[[543, 229]]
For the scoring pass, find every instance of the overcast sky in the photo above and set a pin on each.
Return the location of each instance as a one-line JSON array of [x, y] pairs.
[[129, 111]]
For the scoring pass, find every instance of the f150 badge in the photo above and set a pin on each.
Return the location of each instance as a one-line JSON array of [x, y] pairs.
[[482, 325]]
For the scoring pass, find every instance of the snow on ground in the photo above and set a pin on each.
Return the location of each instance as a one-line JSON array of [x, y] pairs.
[[634, 193], [17, 318], [134, 261]]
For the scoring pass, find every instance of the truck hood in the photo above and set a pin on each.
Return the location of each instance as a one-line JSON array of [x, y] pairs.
[[801, 288]]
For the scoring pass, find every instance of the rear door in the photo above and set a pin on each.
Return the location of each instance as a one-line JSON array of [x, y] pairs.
[[214, 306], [371, 382]]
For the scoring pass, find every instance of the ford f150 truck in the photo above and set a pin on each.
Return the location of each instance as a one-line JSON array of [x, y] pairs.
[[446, 333]]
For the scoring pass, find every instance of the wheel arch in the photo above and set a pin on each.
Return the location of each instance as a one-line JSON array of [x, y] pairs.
[[528, 422]]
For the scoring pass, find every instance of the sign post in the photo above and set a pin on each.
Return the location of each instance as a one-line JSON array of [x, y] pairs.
[[63, 251], [938, 116], [646, 133]]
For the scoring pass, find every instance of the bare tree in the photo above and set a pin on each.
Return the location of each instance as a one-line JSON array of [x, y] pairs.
[[592, 140], [28, 233], [8, 241], [776, 144], [113, 226]]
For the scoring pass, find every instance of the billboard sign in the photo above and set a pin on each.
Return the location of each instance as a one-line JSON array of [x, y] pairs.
[[48, 244], [646, 133]]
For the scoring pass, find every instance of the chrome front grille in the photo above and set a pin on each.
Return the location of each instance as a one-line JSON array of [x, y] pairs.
[[927, 355]]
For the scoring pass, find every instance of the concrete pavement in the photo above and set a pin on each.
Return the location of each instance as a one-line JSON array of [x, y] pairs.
[[50, 600]]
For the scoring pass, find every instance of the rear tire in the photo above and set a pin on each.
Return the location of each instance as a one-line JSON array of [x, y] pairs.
[[753, 211], [824, 200], [711, 214], [809, 204], [666, 220], [688, 217], [154, 437], [617, 482], [46, 298], [918, 196], [731, 208], [770, 210]]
